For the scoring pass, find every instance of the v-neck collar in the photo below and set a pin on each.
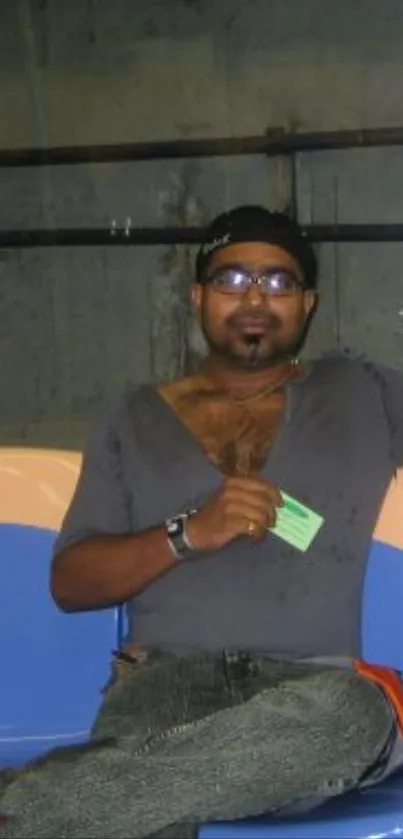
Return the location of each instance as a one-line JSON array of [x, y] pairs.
[[180, 427]]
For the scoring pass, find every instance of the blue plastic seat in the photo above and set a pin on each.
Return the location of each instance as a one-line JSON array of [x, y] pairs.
[[53, 665]]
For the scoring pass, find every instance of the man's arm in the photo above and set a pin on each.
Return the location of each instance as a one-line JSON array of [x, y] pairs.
[[109, 569], [98, 560]]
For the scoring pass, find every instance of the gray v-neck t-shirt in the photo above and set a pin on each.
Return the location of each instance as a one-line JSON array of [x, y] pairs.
[[340, 442]]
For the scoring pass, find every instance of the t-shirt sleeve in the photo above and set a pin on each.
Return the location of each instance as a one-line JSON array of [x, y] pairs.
[[391, 383], [100, 503]]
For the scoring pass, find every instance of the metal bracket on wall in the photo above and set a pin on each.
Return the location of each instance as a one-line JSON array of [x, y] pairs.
[[148, 236], [276, 141]]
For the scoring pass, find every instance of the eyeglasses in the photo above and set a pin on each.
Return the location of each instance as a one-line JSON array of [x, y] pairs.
[[278, 282]]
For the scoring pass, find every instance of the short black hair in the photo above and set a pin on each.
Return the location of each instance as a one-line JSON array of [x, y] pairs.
[[254, 223]]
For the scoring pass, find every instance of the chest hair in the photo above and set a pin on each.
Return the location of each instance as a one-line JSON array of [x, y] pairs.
[[235, 436]]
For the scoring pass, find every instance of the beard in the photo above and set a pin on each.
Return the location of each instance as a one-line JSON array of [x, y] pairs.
[[254, 356], [254, 348]]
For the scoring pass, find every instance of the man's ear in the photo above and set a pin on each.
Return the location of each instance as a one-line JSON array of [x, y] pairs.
[[310, 303]]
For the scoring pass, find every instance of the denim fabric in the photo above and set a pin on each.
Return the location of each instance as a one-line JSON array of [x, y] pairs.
[[180, 741]]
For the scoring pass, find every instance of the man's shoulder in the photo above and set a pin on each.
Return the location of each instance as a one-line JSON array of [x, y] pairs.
[[341, 365], [118, 408], [350, 366], [135, 399], [347, 360]]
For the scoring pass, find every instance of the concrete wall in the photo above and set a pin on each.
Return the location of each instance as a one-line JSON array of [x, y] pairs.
[[75, 323]]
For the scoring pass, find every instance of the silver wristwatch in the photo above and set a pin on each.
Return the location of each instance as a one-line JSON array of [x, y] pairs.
[[177, 536]]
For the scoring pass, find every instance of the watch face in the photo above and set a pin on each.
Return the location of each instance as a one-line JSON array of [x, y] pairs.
[[174, 527]]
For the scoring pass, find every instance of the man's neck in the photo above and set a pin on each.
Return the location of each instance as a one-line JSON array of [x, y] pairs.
[[239, 379]]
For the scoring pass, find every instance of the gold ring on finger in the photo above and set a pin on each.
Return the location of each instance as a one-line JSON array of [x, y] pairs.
[[252, 527]]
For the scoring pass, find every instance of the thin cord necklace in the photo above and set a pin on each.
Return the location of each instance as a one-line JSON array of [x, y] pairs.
[[267, 390]]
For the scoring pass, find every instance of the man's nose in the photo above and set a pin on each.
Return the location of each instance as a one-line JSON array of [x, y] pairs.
[[254, 295]]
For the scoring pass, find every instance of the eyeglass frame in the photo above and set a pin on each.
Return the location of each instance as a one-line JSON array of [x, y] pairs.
[[255, 278]]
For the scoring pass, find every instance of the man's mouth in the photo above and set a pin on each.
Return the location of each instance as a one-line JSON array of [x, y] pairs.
[[250, 326]]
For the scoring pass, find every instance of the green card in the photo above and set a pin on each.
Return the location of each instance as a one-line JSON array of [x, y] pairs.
[[296, 524]]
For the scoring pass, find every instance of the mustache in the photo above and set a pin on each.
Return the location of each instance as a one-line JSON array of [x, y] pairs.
[[267, 319]]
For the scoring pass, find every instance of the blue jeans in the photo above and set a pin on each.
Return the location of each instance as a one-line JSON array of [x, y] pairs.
[[181, 741]]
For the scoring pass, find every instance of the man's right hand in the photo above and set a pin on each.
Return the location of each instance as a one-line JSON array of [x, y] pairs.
[[242, 507]]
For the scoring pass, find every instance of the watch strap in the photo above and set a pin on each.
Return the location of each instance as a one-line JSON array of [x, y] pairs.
[[177, 536]]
